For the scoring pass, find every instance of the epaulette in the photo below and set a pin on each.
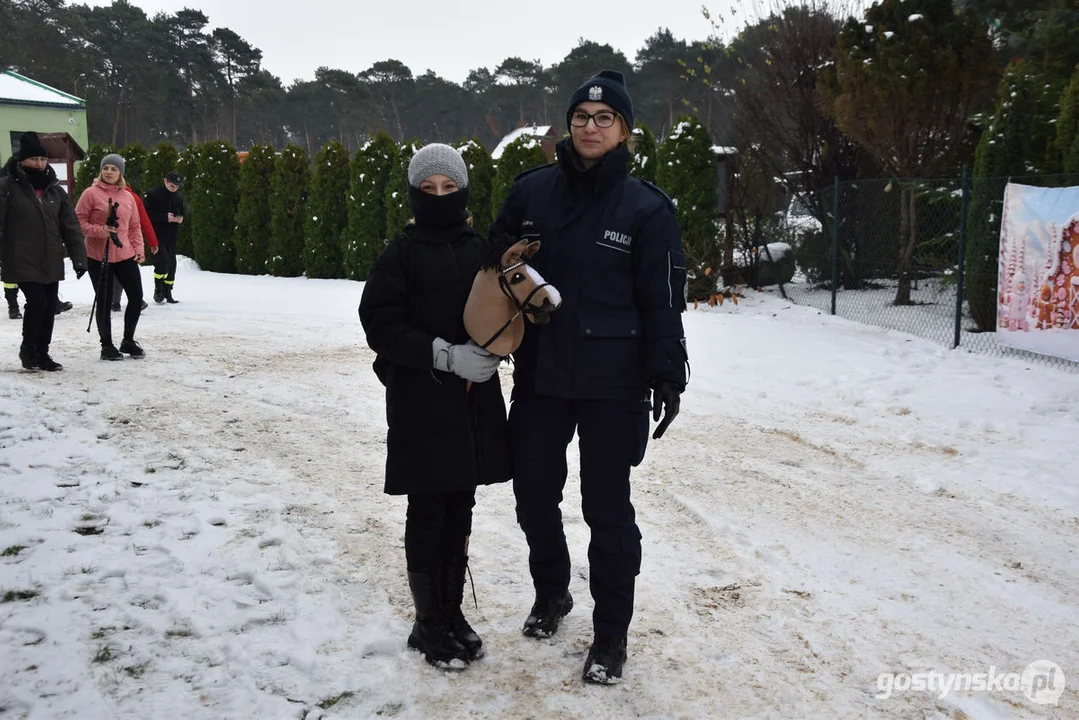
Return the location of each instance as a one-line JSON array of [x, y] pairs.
[[532, 170], [666, 198]]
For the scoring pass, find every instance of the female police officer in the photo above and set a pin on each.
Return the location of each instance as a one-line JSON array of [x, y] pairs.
[[612, 247]]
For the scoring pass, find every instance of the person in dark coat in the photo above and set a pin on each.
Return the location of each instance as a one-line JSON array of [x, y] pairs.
[[37, 222], [612, 246], [165, 208], [444, 406]]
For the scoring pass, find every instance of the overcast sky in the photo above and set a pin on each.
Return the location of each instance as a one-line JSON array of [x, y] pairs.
[[448, 37]]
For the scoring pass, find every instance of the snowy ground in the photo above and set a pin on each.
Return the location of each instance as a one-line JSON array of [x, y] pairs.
[[202, 534]]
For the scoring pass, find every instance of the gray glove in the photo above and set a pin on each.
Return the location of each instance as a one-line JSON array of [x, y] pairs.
[[468, 361]]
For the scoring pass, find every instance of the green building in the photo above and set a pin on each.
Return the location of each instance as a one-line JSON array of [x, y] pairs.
[[60, 118]]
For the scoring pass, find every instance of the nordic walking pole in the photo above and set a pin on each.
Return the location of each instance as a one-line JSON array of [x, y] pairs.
[[103, 281]]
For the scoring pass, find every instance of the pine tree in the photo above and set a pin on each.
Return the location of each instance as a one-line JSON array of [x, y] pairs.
[[292, 176], [163, 159], [686, 170], [645, 154], [187, 165], [522, 154], [1066, 144], [365, 235], [1004, 150], [327, 212], [481, 175], [253, 214], [213, 207], [398, 213], [90, 168], [135, 159]]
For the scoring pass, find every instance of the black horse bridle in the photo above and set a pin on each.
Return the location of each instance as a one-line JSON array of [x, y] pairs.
[[522, 306]]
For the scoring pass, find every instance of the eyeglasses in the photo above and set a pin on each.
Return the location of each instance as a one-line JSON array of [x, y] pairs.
[[602, 119]]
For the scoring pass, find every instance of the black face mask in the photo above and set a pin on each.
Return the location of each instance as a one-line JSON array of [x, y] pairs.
[[438, 210], [39, 179]]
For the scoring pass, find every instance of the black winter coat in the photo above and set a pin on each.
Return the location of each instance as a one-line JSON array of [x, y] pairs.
[[159, 202], [612, 247], [34, 232], [441, 437]]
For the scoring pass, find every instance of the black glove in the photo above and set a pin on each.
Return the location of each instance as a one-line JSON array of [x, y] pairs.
[[79, 272], [112, 222], [666, 397]]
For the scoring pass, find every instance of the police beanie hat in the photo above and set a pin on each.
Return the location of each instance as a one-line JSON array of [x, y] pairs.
[[437, 159], [606, 86], [112, 159], [30, 146]]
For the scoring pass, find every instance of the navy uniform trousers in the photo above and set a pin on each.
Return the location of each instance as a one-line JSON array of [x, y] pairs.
[[612, 436]]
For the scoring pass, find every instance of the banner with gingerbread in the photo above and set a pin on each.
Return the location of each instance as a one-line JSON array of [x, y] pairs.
[[1038, 280]]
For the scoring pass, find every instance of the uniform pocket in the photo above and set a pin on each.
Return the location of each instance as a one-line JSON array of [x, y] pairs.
[[609, 348]]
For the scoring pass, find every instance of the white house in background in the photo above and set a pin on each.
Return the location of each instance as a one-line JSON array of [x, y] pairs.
[[543, 133]]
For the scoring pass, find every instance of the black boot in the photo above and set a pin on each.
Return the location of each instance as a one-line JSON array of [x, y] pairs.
[[168, 295], [159, 290], [109, 352], [132, 348], [12, 296], [63, 306], [431, 633], [454, 568], [547, 613], [47, 363], [28, 355], [603, 666]]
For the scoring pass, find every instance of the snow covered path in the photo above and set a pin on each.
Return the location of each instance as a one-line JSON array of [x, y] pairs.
[[203, 534]]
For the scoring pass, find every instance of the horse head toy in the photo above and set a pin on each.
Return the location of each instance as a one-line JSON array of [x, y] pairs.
[[507, 290]]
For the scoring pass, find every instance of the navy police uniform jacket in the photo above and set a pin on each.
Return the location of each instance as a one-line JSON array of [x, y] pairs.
[[612, 247]]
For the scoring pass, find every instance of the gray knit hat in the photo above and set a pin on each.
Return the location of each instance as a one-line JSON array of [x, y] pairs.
[[437, 159], [112, 159]]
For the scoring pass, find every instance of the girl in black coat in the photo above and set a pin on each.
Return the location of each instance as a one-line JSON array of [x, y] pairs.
[[444, 406]]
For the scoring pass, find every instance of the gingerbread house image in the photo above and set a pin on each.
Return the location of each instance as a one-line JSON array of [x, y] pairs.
[[1056, 305]]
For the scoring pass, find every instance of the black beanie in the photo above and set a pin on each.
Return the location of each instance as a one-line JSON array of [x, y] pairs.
[[606, 86], [30, 146]]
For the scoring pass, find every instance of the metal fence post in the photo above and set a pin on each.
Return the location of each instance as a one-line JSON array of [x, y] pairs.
[[835, 241], [962, 260]]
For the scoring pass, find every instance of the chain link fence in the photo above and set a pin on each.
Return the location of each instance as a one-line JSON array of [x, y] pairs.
[[898, 257]]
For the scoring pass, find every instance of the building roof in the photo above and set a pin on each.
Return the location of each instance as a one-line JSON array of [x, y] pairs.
[[537, 131], [16, 89]]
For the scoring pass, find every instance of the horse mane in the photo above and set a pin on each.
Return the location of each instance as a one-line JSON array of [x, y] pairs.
[[497, 247]]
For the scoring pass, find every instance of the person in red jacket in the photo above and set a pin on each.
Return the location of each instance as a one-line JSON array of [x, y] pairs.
[[151, 242]]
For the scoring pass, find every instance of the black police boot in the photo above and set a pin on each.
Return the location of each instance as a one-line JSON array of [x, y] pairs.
[[431, 633], [28, 355], [168, 295], [454, 568], [159, 291], [547, 612], [603, 666]]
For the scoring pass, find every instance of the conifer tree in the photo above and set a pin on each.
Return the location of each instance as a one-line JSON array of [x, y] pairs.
[[522, 154], [327, 212], [89, 168], [481, 174], [162, 159], [253, 214], [135, 159], [398, 213], [645, 153], [188, 167], [686, 170], [292, 176], [365, 235], [213, 207], [1004, 150], [1066, 143]]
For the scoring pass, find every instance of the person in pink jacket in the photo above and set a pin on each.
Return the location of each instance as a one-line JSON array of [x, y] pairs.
[[124, 258], [151, 242]]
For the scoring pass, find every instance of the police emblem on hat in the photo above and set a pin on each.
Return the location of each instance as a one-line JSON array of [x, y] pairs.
[[595, 93]]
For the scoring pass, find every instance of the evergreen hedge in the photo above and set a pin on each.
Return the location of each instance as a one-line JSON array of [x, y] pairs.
[[292, 176], [365, 235], [1004, 150], [481, 175], [254, 211], [645, 154], [522, 154], [327, 212], [1066, 144], [135, 160], [187, 164], [88, 169], [398, 214], [161, 160], [213, 206]]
